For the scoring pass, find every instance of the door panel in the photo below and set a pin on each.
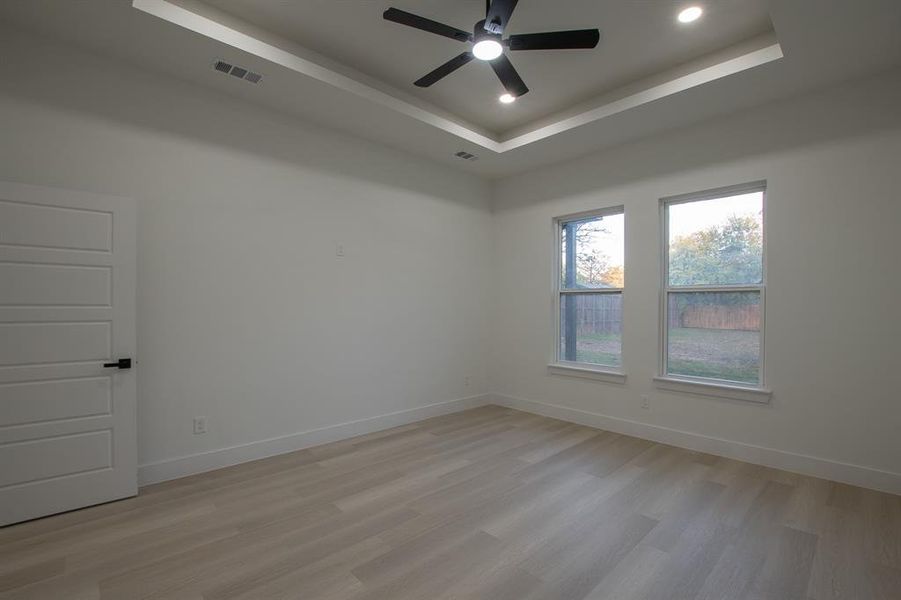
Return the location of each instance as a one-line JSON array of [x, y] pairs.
[[37, 401], [29, 343], [63, 227], [55, 285], [34, 460], [67, 306]]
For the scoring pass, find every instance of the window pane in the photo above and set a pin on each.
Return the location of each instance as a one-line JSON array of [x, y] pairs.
[[714, 334], [591, 328], [596, 257], [716, 242]]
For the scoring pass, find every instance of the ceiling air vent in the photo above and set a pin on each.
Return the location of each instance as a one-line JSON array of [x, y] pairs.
[[466, 155], [236, 71]]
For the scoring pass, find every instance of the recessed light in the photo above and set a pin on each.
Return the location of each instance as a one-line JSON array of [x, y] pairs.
[[507, 98], [692, 13], [487, 49]]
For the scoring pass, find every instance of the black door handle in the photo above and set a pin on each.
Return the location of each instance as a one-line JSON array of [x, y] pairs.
[[122, 363]]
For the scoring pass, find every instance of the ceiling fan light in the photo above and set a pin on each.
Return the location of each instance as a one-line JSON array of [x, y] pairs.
[[487, 49], [692, 13]]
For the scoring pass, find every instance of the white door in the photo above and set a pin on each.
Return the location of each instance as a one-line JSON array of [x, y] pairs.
[[67, 308]]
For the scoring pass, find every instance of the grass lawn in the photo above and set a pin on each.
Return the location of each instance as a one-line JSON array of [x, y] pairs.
[[719, 353], [599, 349], [607, 359], [725, 354]]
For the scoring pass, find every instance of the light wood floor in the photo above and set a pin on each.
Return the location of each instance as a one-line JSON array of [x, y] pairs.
[[491, 504]]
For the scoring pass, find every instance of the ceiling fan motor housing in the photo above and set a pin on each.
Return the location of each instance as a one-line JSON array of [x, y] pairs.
[[494, 26], [480, 32]]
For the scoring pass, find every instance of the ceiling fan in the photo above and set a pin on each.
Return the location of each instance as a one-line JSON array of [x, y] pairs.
[[488, 43]]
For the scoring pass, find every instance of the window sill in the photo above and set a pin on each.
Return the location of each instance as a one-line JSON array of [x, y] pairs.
[[718, 390], [578, 370]]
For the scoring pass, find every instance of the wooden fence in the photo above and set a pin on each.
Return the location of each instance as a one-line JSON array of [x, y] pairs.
[[599, 313], [603, 314], [745, 317]]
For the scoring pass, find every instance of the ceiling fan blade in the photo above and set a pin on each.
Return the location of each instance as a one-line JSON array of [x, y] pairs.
[[444, 70], [499, 12], [510, 79], [411, 20], [555, 40]]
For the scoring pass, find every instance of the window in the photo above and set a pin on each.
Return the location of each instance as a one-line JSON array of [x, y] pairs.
[[590, 289], [714, 284]]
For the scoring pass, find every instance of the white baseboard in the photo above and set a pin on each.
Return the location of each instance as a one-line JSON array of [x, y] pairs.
[[174, 468], [225, 457], [867, 477]]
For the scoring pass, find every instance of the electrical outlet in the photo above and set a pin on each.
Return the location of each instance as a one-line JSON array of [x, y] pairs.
[[339, 250], [199, 425], [646, 402], [467, 380]]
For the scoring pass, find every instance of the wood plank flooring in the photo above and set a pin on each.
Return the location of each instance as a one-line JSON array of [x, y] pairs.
[[489, 503]]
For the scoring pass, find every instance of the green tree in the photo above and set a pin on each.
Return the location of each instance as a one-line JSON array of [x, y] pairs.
[[725, 254]]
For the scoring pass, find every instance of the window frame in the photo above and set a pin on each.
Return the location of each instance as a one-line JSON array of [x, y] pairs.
[[709, 385], [558, 365]]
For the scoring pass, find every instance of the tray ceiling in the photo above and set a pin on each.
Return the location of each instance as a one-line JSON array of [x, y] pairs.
[[638, 40], [338, 64]]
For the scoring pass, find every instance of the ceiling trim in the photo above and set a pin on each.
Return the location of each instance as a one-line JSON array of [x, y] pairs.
[[760, 51], [208, 27], [754, 58]]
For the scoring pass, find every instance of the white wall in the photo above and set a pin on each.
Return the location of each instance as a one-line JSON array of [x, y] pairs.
[[246, 315], [833, 165]]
